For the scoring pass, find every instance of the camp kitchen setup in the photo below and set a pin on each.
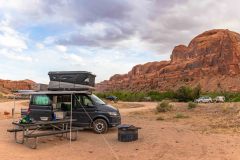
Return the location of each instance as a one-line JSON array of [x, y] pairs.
[[64, 107]]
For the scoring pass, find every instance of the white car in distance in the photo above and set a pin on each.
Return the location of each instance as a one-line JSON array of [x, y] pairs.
[[219, 99], [204, 99]]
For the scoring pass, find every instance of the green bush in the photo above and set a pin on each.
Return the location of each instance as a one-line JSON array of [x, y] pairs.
[[186, 94], [138, 96], [164, 106], [192, 105], [182, 94], [235, 99]]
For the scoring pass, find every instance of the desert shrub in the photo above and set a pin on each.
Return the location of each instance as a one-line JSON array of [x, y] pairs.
[[1, 95], [192, 105], [180, 115], [164, 106], [160, 118]]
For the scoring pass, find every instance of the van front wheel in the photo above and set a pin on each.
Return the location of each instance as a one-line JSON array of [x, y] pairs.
[[100, 126]]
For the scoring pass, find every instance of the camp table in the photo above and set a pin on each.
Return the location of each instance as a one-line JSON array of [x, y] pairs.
[[31, 130]]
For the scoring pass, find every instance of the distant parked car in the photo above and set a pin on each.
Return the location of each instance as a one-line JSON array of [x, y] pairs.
[[112, 98], [204, 99], [219, 99]]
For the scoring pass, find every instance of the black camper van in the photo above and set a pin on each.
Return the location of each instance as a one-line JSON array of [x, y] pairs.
[[88, 110], [69, 94]]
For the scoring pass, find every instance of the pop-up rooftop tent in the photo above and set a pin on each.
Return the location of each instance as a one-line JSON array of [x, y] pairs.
[[71, 80]]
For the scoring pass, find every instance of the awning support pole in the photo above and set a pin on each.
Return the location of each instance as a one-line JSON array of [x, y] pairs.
[[14, 106], [71, 122]]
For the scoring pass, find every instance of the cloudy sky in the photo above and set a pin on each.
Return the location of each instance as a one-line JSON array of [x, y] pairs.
[[101, 36]]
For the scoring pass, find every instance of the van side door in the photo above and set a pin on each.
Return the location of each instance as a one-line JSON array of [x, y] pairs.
[[84, 110]]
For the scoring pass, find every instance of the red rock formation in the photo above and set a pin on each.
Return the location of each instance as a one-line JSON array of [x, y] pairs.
[[212, 60], [6, 86]]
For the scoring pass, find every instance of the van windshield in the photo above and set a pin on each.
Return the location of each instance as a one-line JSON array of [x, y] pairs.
[[96, 99]]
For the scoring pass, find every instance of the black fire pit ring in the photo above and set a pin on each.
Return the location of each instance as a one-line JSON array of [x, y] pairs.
[[127, 133]]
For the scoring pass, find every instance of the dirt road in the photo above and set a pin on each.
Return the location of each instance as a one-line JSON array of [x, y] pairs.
[[143, 107], [166, 140]]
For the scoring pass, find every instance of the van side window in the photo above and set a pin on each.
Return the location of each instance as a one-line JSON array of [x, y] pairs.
[[82, 100], [64, 102], [87, 101], [41, 100]]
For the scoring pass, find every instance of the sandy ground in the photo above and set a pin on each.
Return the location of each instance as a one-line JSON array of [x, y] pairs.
[[200, 135], [9, 105]]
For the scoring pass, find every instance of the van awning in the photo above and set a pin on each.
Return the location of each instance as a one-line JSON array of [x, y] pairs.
[[30, 92]]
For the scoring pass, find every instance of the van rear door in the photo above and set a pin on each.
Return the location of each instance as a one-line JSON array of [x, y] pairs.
[[40, 106]]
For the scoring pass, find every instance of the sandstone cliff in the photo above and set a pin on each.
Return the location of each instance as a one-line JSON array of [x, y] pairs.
[[212, 60], [6, 86]]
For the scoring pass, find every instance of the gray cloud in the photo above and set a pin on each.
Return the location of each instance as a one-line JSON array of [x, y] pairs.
[[85, 11], [161, 24], [108, 36]]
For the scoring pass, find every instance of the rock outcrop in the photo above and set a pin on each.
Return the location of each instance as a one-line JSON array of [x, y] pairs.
[[211, 60], [6, 86]]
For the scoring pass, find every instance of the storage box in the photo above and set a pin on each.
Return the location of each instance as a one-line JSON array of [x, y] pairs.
[[60, 115]]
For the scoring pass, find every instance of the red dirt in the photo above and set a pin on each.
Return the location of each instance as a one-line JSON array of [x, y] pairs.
[[170, 139]]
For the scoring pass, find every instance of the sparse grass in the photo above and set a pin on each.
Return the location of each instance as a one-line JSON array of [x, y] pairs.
[[160, 118], [180, 115], [3, 98], [192, 105], [121, 105], [136, 113], [164, 106], [226, 109]]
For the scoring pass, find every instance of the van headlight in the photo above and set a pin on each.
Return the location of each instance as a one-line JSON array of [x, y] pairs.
[[113, 113]]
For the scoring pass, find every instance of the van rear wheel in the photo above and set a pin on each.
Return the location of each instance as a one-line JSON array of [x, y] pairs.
[[100, 126]]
